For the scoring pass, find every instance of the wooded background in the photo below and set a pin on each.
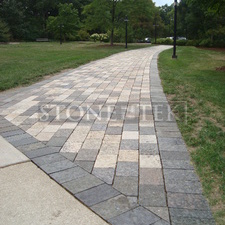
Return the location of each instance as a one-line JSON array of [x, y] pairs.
[[201, 21]]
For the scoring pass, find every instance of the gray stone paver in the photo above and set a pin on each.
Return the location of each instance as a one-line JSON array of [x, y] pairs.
[[137, 216], [113, 207], [106, 133], [97, 194]]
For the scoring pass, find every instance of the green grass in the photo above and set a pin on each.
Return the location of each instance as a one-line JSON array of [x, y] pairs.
[[25, 63], [193, 78]]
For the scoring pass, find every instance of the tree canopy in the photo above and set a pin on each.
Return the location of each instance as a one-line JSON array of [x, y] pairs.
[[31, 19]]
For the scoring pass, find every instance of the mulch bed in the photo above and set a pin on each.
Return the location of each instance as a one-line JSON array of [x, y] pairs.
[[221, 68], [213, 49]]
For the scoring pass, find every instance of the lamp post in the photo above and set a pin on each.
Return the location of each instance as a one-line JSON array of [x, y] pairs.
[[60, 27], [126, 21], [174, 56]]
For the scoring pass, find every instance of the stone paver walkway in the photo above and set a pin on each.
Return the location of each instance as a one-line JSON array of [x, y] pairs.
[[105, 132]]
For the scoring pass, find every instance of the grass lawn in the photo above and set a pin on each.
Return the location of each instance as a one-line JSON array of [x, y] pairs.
[[24, 63], [193, 78]]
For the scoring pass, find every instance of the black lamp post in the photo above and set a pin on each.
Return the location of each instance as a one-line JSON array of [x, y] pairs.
[[60, 27], [126, 21], [174, 56]]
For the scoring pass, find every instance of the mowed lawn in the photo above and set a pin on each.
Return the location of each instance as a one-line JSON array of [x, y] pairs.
[[24, 63], [198, 79]]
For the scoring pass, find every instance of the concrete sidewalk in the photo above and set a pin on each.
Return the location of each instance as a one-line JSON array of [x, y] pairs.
[[29, 196]]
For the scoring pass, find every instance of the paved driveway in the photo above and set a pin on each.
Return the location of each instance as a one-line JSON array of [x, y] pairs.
[[105, 132]]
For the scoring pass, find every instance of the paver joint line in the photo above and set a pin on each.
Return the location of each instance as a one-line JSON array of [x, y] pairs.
[[106, 133]]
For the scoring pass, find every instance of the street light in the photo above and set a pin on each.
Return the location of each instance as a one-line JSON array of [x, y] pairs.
[[60, 27], [174, 56], [126, 21]]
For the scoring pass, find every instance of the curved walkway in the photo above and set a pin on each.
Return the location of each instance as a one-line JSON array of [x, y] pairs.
[[105, 132]]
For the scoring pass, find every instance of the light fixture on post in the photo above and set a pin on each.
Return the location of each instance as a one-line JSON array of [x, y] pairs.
[[174, 56]]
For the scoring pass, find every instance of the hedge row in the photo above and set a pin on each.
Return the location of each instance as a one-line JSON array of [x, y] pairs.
[[197, 43]]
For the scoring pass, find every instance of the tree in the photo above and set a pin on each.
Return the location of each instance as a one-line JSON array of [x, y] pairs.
[[101, 16], [108, 16], [202, 19], [4, 32], [12, 13], [166, 13], [141, 17], [77, 4], [67, 20]]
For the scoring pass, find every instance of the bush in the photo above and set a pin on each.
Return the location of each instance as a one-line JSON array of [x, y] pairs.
[[70, 37], [83, 35], [165, 41], [219, 43], [192, 43], [100, 37], [95, 37], [181, 42], [205, 43], [103, 37]]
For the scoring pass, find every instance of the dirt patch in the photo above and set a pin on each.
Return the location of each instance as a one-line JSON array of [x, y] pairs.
[[221, 68], [213, 49]]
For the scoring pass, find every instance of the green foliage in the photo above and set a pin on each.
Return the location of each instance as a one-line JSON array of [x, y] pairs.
[[166, 13], [165, 41], [31, 19], [67, 22], [95, 37], [103, 37], [181, 42], [192, 43], [100, 37], [83, 35], [13, 13], [97, 16], [4, 32], [142, 15], [202, 20], [205, 43], [219, 43], [108, 16]]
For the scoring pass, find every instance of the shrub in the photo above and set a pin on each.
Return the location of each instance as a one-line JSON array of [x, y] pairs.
[[219, 43], [103, 37], [205, 43], [83, 35], [70, 37], [165, 41], [95, 37], [192, 43], [181, 42]]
